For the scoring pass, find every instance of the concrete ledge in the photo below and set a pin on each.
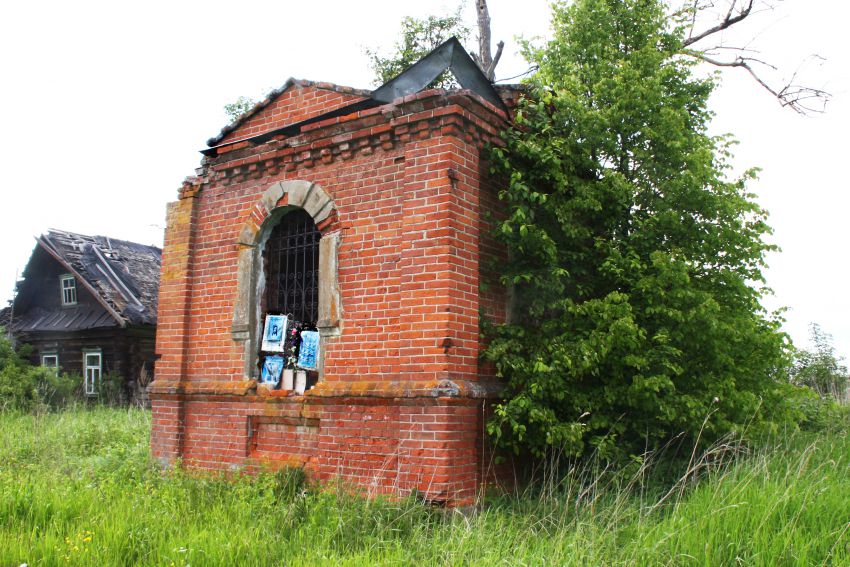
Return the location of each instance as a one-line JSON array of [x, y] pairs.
[[223, 387], [325, 390]]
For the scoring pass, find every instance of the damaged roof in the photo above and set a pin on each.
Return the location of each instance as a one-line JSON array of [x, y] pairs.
[[123, 276]]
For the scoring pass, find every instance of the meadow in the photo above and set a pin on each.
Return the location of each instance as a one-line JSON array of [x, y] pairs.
[[78, 487]]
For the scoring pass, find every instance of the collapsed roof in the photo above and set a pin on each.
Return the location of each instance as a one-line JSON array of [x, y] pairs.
[[122, 276]]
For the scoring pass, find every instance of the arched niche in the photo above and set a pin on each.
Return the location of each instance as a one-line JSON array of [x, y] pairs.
[[279, 199]]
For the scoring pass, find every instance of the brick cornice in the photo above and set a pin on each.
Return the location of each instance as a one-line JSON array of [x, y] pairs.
[[426, 114]]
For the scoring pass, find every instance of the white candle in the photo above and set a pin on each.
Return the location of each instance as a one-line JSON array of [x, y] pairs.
[[287, 378], [300, 381]]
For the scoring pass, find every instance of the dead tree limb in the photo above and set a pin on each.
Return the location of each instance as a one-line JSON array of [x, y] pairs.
[[484, 58], [491, 71], [732, 17], [800, 98], [791, 95]]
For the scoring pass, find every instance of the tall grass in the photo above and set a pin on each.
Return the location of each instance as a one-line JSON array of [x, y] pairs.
[[78, 488]]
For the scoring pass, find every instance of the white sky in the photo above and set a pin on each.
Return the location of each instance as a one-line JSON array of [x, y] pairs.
[[107, 103]]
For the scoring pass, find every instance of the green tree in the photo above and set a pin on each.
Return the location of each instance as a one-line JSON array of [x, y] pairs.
[[635, 262], [239, 107], [819, 369], [418, 38]]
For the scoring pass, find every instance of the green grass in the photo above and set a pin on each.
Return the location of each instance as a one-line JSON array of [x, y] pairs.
[[78, 488]]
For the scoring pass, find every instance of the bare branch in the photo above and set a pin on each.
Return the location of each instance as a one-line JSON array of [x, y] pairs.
[[694, 12], [798, 97], [491, 71], [729, 20], [791, 95], [729, 48]]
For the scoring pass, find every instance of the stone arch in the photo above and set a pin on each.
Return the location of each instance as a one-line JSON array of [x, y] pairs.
[[277, 200]]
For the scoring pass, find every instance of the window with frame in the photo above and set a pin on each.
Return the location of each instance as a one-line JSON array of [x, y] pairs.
[[92, 368], [69, 289], [50, 361]]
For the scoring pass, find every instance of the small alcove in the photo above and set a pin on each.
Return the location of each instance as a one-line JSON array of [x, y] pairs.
[[287, 281], [290, 303]]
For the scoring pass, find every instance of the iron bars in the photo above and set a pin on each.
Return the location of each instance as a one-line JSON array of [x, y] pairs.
[[292, 268]]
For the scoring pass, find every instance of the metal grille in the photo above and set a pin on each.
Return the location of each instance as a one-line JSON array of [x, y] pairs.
[[292, 260]]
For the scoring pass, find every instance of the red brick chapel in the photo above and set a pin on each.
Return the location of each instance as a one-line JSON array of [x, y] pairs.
[[357, 223]]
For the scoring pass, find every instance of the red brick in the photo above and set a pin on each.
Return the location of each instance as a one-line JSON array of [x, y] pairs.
[[413, 251]]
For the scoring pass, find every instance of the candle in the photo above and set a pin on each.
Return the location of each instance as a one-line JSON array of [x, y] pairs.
[[300, 381]]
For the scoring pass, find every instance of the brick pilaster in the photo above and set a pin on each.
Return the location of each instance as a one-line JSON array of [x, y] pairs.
[[173, 333]]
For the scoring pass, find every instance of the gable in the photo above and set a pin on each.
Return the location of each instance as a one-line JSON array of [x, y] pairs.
[[39, 305], [295, 101], [40, 285], [286, 110]]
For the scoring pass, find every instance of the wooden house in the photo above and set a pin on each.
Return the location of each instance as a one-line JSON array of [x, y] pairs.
[[88, 306]]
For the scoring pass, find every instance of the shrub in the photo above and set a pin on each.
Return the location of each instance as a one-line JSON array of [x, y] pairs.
[[112, 390], [820, 369], [58, 390], [634, 259], [25, 387], [18, 379], [817, 413]]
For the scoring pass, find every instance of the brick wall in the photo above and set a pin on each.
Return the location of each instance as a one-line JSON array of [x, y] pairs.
[[399, 407], [299, 101]]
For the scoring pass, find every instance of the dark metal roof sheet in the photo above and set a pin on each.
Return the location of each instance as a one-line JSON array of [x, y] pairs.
[[66, 319], [450, 55]]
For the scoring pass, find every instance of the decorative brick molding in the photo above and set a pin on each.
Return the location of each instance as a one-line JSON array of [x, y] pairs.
[[422, 116], [276, 201]]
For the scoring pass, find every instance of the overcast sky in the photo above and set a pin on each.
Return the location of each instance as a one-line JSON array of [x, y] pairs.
[[107, 103]]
